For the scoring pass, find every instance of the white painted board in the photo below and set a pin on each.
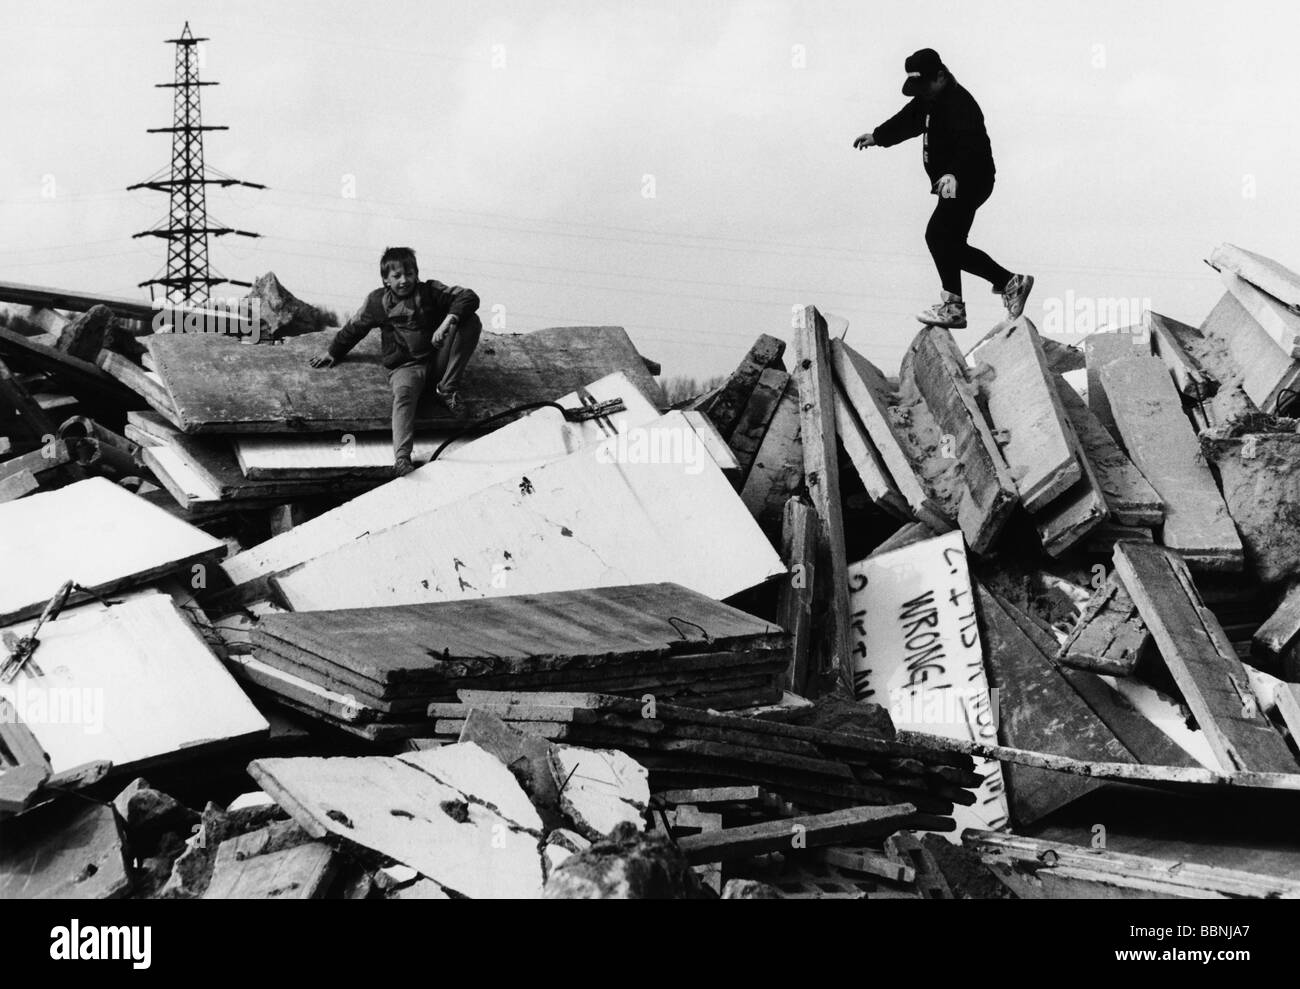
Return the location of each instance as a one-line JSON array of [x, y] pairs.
[[645, 506], [537, 438], [917, 652]]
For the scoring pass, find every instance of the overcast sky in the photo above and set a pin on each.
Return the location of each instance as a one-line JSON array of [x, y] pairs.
[[515, 146]]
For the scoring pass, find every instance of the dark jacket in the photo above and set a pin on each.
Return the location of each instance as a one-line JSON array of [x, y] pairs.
[[406, 344], [955, 142]]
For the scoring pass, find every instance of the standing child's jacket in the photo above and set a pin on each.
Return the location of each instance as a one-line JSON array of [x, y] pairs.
[[956, 141], [406, 325]]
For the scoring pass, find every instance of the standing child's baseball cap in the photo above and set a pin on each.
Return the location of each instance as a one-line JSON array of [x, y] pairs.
[[921, 66]]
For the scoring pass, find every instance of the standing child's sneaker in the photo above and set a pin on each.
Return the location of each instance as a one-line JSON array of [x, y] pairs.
[[455, 404], [950, 313], [1015, 293]]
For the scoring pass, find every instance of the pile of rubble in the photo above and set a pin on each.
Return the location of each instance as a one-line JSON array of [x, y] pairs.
[[819, 632]]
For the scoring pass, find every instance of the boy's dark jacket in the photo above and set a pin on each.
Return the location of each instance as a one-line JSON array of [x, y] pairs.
[[398, 347], [956, 142]]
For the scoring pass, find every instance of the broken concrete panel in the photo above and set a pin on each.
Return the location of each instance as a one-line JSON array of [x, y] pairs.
[[1264, 369], [866, 461], [618, 513], [1264, 273], [1279, 322], [1110, 636], [398, 810], [539, 437], [482, 777], [1260, 476], [1100, 349], [600, 789], [725, 405], [1162, 445], [1024, 406], [1192, 379], [1129, 496], [777, 472]]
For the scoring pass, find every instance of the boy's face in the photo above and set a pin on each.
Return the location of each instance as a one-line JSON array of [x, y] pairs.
[[400, 279]]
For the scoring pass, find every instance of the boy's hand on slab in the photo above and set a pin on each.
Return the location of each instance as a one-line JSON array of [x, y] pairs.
[[323, 360]]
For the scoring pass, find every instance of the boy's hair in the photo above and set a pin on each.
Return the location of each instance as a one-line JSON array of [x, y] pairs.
[[397, 255]]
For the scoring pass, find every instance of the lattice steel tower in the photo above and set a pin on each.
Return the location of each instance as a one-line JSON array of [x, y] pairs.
[[188, 273]]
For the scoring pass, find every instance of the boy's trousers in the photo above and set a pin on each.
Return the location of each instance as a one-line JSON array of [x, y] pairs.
[[445, 367], [946, 235]]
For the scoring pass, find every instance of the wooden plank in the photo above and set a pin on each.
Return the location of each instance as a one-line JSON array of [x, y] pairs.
[[524, 633], [725, 405], [1192, 379], [809, 831], [1078, 512], [587, 520], [539, 437], [1036, 868], [132, 684], [397, 809], [871, 470], [1159, 439], [1109, 636], [71, 850], [16, 397], [18, 485], [1023, 404], [777, 471], [1099, 350], [218, 385], [83, 375], [1275, 638], [795, 597], [204, 469], [822, 476], [1264, 273], [752, 425], [138, 380], [868, 392], [93, 532], [1038, 710], [937, 371], [1202, 661], [917, 651], [1265, 368]]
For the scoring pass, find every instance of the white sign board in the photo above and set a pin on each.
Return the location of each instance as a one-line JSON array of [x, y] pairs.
[[917, 653]]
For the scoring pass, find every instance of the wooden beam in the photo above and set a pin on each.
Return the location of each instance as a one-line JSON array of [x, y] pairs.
[[777, 471], [1129, 496], [795, 597], [1024, 406], [1274, 640], [725, 406], [139, 381], [1202, 660], [868, 392], [1159, 439], [1035, 868], [43, 297], [988, 495], [83, 375], [1038, 710], [809, 831], [1110, 636], [822, 475], [751, 427], [866, 461], [13, 394]]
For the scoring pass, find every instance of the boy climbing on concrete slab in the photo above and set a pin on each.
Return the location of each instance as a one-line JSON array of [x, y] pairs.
[[428, 332], [959, 161]]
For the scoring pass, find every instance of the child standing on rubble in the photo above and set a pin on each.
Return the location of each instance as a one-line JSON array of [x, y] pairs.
[[959, 161], [428, 331]]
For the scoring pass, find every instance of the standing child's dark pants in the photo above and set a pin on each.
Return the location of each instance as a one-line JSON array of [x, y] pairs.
[[445, 368], [946, 235]]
